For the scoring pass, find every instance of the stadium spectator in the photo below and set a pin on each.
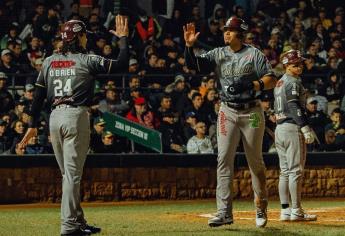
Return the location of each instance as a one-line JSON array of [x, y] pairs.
[[5, 141], [47, 25], [109, 144], [28, 95], [18, 131], [113, 103], [207, 82], [133, 66], [172, 137], [6, 99], [200, 143], [338, 126], [11, 36], [316, 119], [17, 112], [34, 147], [198, 108], [146, 29], [177, 90], [333, 87], [165, 106], [210, 99], [189, 125], [142, 115], [7, 65], [213, 37], [330, 144], [35, 50], [96, 134]]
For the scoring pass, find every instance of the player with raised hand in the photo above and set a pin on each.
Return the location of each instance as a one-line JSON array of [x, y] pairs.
[[243, 71], [67, 80], [291, 136]]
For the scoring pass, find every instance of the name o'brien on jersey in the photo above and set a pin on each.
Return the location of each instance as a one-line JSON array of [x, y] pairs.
[[62, 68]]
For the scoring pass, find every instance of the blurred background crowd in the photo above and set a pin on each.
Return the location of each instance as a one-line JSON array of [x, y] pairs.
[[157, 90]]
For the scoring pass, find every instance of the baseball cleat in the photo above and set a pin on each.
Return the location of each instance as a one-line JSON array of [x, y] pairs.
[[219, 220], [261, 218], [92, 229], [78, 232], [298, 214], [285, 214]]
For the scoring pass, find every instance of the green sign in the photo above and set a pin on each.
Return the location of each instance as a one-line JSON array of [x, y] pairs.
[[138, 133]]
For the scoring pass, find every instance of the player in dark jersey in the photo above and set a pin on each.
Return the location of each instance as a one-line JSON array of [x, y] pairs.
[[243, 70], [291, 135], [66, 80]]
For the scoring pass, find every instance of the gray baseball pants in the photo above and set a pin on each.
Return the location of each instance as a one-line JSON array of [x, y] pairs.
[[291, 149], [70, 136], [232, 126]]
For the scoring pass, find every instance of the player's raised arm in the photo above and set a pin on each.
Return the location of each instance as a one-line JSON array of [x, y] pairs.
[[101, 65], [201, 64], [121, 31]]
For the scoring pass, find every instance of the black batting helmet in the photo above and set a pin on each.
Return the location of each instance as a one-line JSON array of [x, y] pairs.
[[71, 29], [235, 24]]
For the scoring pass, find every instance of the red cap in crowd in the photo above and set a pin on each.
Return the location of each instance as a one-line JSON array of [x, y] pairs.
[[139, 101]]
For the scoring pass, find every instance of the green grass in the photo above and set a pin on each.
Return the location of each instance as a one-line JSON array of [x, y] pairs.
[[164, 218]]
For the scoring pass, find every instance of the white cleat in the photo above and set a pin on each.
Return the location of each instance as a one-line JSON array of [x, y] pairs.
[[298, 214], [261, 218], [285, 214]]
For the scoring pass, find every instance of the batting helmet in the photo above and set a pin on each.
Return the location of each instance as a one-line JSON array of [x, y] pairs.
[[236, 24], [291, 57], [71, 29]]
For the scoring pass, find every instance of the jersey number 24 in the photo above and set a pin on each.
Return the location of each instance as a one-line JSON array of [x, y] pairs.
[[62, 88]]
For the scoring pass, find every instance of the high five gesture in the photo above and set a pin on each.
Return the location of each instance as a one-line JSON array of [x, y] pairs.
[[121, 23], [189, 34]]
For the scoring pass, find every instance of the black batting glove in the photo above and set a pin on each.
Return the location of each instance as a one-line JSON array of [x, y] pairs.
[[241, 87]]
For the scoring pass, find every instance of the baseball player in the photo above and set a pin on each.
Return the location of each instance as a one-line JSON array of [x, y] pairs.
[[242, 70], [291, 136], [66, 80]]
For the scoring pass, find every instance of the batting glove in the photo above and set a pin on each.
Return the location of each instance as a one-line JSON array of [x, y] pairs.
[[243, 85], [308, 134]]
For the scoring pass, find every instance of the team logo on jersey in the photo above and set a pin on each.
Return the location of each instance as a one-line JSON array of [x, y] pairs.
[[62, 64]]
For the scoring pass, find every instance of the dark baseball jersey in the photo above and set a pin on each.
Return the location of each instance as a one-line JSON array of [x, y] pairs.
[[69, 78], [289, 90], [247, 64]]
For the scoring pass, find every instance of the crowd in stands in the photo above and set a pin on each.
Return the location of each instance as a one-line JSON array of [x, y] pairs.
[[159, 91]]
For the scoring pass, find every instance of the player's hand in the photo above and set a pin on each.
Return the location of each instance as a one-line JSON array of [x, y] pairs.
[[189, 34], [31, 132], [121, 24], [308, 134], [240, 87]]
